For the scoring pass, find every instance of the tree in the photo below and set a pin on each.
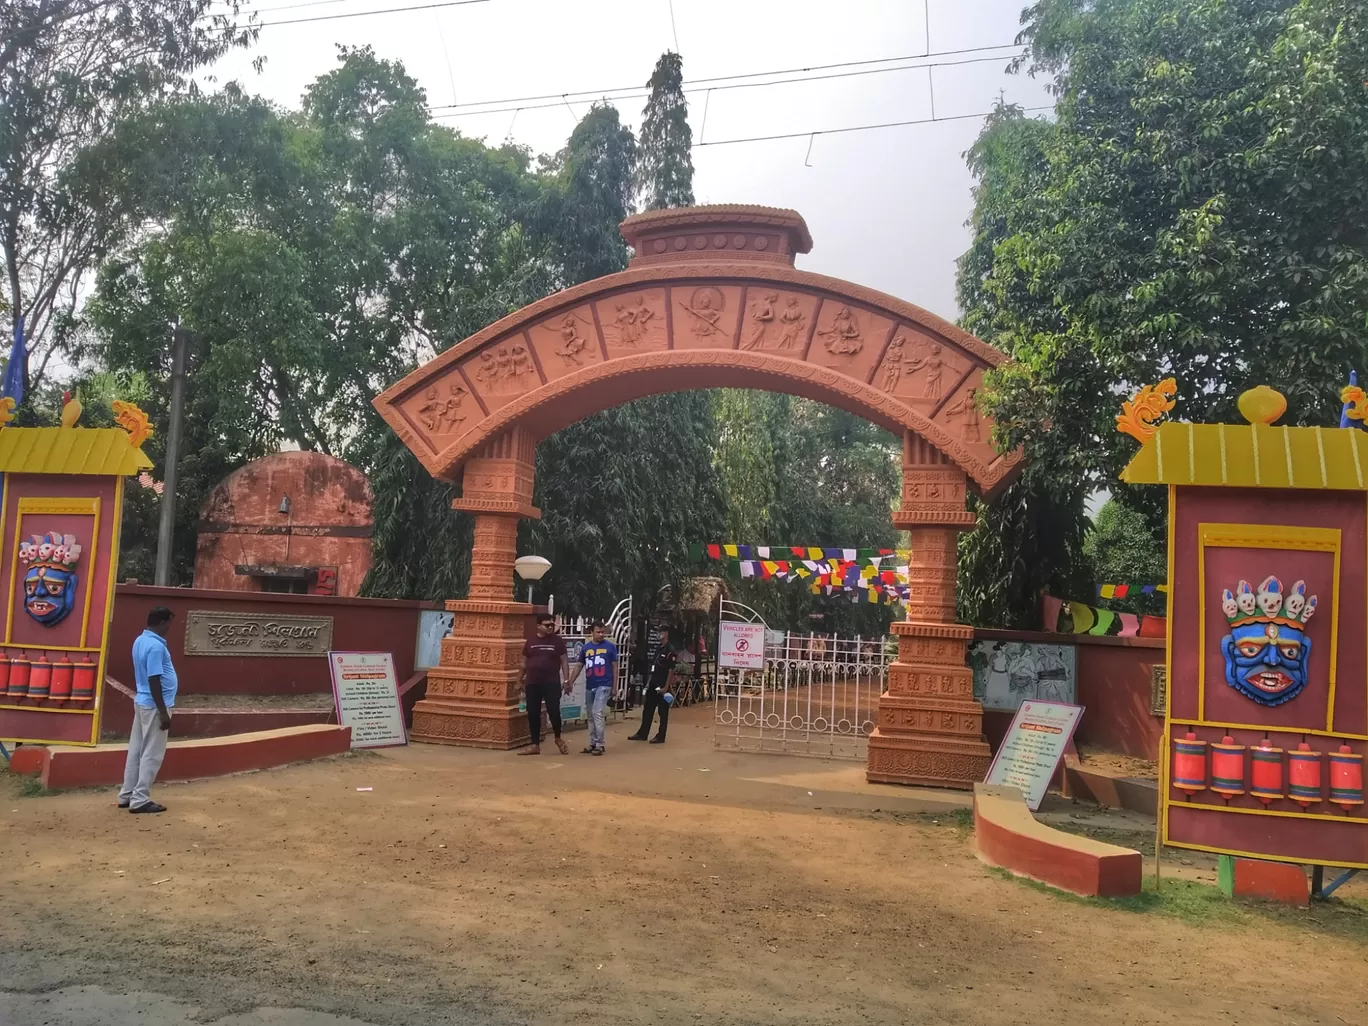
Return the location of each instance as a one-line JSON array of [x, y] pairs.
[[623, 493], [1123, 549], [665, 168], [70, 70], [1149, 232], [314, 259]]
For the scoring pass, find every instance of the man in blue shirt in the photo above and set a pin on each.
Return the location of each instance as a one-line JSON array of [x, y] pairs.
[[599, 658], [156, 680]]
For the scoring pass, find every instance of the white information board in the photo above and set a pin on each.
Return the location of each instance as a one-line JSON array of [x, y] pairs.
[[741, 646], [366, 694], [1034, 744]]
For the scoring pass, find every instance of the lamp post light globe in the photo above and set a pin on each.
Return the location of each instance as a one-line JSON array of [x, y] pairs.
[[531, 569]]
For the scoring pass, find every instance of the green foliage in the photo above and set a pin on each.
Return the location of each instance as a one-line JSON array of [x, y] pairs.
[[1123, 548], [1196, 209], [797, 472], [665, 168], [70, 70]]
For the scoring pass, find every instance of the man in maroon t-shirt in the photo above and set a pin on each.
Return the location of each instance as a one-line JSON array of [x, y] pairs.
[[545, 674]]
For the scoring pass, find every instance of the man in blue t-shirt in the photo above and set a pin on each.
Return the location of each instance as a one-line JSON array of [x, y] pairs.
[[599, 658], [156, 680]]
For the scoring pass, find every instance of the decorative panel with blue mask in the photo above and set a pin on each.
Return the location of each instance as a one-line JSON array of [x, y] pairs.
[[50, 578], [1267, 651]]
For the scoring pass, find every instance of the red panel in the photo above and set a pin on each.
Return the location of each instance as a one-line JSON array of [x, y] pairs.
[[1341, 838], [368, 625], [1342, 510], [1326, 842], [37, 725], [1225, 567]]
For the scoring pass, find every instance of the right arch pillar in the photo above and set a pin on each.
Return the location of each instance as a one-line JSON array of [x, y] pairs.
[[929, 729]]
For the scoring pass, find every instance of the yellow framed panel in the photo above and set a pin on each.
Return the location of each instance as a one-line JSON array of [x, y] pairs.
[[83, 506], [108, 611], [1263, 536]]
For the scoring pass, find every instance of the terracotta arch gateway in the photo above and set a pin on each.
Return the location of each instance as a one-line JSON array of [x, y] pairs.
[[710, 299]]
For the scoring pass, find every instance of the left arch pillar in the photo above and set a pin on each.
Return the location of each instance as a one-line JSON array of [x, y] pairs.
[[473, 694]]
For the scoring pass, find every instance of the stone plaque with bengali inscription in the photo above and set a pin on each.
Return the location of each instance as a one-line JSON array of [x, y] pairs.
[[254, 634]]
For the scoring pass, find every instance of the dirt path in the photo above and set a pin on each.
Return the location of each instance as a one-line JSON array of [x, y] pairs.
[[481, 888]]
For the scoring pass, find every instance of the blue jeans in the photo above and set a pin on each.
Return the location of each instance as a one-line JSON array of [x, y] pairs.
[[596, 704]]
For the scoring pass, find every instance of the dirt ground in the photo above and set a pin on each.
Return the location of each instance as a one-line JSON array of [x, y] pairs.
[[660, 884]]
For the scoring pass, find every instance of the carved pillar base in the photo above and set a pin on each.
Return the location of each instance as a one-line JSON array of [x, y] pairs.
[[929, 729], [473, 694]]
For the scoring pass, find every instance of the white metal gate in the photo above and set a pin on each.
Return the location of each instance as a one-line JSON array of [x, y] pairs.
[[817, 695]]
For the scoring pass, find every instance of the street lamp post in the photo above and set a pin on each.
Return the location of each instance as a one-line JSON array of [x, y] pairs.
[[531, 569]]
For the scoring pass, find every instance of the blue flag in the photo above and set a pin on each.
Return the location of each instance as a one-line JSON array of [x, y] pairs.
[[14, 370]]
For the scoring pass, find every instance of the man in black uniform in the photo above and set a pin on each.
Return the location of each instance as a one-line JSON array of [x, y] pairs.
[[659, 683]]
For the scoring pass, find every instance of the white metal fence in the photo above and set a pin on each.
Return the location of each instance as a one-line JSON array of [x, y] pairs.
[[817, 695]]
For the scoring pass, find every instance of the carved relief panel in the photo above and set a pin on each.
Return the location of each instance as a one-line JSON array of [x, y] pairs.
[[920, 369], [777, 321], [961, 417], [441, 410], [849, 339], [705, 316], [634, 321], [502, 370], [565, 342]]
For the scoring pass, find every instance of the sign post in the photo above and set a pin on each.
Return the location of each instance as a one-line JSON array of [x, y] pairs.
[[741, 646], [366, 693], [1033, 747]]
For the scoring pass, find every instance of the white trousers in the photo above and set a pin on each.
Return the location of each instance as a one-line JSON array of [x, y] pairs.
[[146, 749]]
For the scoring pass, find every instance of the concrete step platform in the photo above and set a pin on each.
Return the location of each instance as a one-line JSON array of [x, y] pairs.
[[61, 767]]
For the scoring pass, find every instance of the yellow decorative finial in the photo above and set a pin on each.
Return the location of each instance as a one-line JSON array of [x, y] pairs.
[[1139, 416], [132, 420], [6, 410], [1262, 405]]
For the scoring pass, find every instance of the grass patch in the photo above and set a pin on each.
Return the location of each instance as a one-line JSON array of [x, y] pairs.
[[1202, 904]]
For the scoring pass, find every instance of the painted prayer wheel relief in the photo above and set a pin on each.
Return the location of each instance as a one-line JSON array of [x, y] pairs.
[[1267, 682], [712, 299]]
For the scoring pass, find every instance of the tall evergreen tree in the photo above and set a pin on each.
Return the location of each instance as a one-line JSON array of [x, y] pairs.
[[665, 170]]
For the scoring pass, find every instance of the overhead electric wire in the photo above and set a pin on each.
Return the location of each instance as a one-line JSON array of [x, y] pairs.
[[555, 100], [365, 14], [580, 93], [858, 128]]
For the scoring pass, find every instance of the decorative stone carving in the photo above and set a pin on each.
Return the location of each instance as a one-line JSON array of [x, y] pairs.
[[842, 337], [929, 728]]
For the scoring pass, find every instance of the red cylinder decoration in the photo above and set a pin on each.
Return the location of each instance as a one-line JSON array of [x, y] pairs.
[[40, 679], [1189, 763], [83, 681], [18, 677], [4, 674], [1304, 776], [1346, 778], [1228, 767], [62, 671], [1266, 771]]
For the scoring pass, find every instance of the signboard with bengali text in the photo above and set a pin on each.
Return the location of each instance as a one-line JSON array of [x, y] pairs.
[[1034, 744], [256, 634], [366, 695]]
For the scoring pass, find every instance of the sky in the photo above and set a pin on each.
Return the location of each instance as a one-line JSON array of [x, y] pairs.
[[886, 207]]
